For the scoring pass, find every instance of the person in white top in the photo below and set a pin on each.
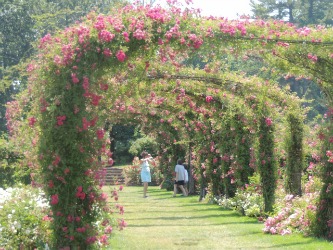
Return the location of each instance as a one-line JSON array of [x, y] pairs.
[[180, 178]]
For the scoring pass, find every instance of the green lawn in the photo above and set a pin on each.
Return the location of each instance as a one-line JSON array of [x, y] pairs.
[[162, 222]]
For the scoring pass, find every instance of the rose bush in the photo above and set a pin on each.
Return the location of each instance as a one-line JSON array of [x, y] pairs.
[[295, 213]]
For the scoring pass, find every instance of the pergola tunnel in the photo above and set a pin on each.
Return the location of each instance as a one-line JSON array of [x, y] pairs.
[[134, 67]]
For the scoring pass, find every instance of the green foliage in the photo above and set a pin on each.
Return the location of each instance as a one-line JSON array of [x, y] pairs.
[[267, 161], [17, 35], [132, 175], [11, 171], [226, 151], [306, 89], [167, 171], [247, 201], [309, 92], [324, 226], [244, 141], [301, 12], [168, 183], [120, 153], [16, 27], [235, 150], [121, 136], [214, 172], [295, 155], [146, 143], [24, 220], [251, 205], [22, 24]]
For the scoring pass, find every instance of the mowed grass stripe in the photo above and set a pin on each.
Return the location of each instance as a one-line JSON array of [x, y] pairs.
[[161, 222]]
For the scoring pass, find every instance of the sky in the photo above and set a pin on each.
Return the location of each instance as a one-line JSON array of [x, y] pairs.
[[231, 9]]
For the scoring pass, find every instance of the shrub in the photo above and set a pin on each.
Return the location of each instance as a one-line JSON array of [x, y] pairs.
[[132, 173], [168, 184], [224, 202], [294, 213], [247, 201], [10, 170], [145, 143], [24, 219], [248, 204]]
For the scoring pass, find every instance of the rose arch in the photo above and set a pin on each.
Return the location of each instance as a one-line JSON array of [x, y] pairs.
[[131, 66], [198, 109]]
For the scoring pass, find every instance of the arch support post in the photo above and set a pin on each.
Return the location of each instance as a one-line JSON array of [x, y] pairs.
[[295, 159], [324, 215], [267, 163]]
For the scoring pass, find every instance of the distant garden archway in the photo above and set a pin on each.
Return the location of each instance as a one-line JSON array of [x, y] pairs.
[[84, 71]]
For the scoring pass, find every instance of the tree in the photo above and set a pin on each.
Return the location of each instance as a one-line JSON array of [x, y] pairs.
[[22, 24], [16, 38], [276, 9], [120, 136], [150, 2], [316, 12], [300, 12]]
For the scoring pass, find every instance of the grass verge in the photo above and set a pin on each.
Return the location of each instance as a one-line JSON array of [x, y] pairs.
[[161, 222]]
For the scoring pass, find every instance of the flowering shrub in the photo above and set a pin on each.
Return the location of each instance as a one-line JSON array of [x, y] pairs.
[[225, 202], [132, 173], [247, 201], [248, 204], [24, 218], [294, 213]]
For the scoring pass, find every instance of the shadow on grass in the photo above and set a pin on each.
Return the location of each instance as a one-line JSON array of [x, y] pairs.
[[248, 233], [285, 246], [203, 204], [160, 210], [155, 189], [170, 225], [185, 225], [196, 218], [135, 203], [169, 196]]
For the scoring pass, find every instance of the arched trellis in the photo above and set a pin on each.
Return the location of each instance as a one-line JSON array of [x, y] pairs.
[[172, 93], [66, 91]]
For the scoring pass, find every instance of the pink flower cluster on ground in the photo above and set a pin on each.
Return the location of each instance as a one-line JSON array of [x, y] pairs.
[[295, 213]]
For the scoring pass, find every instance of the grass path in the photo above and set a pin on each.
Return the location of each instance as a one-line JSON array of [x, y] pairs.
[[161, 222]]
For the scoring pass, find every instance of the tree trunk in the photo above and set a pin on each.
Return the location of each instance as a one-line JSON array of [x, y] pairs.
[[310, 11]]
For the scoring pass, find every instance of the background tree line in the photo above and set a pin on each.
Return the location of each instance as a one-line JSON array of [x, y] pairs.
[[22, 24], [300, 12]]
